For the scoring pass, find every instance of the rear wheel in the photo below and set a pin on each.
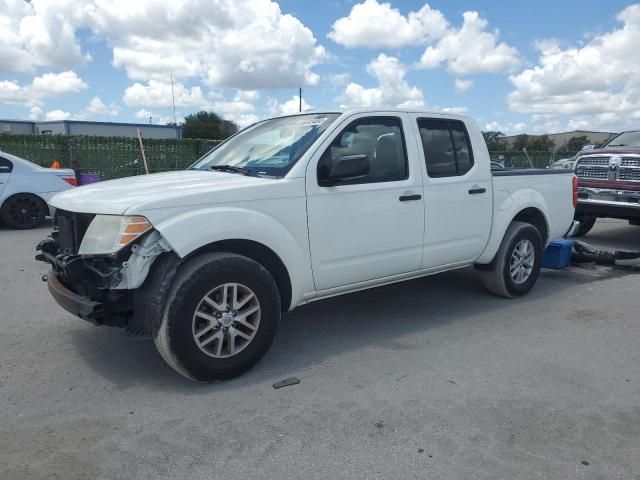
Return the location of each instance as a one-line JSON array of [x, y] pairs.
[[586, 224], [517, 264], [635, 221], [220, 317], [24, 211]]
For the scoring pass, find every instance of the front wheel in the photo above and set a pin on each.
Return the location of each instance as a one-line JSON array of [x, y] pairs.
[[220, 317], [517, 264]]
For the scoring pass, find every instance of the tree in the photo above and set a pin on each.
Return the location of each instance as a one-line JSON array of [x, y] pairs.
[[207, 125], [574, 145], [495, 141], [521, 141], [540, 143]]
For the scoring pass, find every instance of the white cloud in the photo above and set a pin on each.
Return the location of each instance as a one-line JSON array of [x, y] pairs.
[[156, 118], [39, 33], [465, 50], [245, 44], [392, 90], [373, 25], [463, 85], [238, 109], [471, 49], [57, 115], [97, 108], [290, 106], [157, 94], [598, 83], [35, 113], [339, 79], [506, 128], [58, 83], [44, 86], [248, 95], [144, 114]]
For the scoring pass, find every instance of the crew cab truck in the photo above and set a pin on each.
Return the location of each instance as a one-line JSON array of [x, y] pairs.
[[292, 210], [609, 182]]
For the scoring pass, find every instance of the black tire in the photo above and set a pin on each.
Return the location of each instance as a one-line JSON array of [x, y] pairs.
[[635, 222], [586, 224], [195, 279], [24, 211], [497, 279]]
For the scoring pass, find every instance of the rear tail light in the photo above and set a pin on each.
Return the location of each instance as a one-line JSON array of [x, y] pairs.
[[574, 183], [71, 181]]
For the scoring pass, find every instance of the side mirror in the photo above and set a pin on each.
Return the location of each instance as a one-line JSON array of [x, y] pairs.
[[348, 167]]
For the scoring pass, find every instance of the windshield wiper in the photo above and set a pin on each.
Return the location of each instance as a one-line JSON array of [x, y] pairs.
[[232, 169]]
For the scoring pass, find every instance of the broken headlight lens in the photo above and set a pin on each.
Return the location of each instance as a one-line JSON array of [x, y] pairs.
[[109, 233]]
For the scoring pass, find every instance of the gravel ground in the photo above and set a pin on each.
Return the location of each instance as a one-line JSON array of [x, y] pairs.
[[431, 378]]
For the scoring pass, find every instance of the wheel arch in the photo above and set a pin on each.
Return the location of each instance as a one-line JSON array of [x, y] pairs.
[[533, 213], [15, 194], [535, 217], [259, 253]]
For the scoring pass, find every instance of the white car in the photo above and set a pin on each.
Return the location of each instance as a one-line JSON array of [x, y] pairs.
[[25, 190], [293, 210]]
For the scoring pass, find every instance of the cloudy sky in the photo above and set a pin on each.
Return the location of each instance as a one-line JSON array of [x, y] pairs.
[[534, 66]]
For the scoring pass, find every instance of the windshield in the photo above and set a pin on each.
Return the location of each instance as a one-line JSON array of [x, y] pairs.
[[625, 139], [268, 148]]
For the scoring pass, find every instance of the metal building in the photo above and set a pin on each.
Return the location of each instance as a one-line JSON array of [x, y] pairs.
[[79, 127], [17, 127]]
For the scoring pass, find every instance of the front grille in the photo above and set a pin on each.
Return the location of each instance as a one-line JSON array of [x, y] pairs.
[[630, 162], [594, 168], [600, 161], [629, 174], [70, 230], [623, 169]]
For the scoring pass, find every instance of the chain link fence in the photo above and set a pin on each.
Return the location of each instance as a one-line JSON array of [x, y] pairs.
[[116, 157]]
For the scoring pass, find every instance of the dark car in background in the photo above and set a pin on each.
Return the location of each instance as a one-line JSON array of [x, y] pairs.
[[609, 182]]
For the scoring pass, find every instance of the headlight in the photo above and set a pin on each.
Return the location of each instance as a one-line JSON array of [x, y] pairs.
[[109, 233]]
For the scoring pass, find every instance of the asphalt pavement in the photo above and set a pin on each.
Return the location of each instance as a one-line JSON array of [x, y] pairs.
[[432, 378]]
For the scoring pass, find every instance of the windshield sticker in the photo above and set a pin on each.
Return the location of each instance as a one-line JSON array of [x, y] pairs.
[[311, 122]]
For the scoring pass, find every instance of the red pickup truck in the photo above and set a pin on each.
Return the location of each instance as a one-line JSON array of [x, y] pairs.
[[609, 182]]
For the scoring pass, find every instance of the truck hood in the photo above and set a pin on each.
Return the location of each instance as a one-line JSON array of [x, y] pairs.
[[611, 151], [159, 190]]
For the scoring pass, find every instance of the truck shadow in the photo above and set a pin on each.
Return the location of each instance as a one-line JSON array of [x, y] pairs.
[[315, 334]]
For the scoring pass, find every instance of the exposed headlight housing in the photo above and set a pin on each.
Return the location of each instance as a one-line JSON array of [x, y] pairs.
[[107, 234]]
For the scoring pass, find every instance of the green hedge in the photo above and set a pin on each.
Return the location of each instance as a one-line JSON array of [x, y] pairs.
[[111, 157]]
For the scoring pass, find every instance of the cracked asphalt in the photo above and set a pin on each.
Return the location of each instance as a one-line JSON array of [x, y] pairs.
[[431, 378]]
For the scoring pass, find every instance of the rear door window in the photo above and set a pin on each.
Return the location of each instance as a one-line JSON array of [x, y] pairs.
[[446, 146]]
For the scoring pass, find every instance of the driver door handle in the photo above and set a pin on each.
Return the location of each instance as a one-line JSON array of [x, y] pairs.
[[408, 198]]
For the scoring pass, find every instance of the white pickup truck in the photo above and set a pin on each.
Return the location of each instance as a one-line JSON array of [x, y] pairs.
[[292, 210]]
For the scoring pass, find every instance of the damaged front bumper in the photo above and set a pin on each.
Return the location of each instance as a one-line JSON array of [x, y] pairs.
[[106, 290], [78, 305]]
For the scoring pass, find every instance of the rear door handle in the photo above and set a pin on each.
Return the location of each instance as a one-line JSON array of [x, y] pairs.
[[475, 191], [408, 198]]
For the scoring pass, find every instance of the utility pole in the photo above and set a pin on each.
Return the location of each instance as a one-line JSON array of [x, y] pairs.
[[300, 99], [173, 102]]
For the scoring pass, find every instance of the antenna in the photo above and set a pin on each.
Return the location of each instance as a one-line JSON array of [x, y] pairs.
[[300, 99], [173, 102]]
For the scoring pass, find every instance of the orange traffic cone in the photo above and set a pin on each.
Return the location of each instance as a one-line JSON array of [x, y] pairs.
[[55, 164]]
